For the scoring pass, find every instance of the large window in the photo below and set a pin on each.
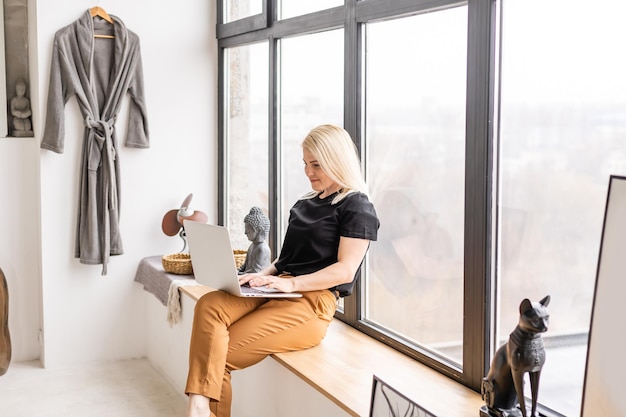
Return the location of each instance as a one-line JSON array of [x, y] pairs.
[[488, 130], [311, 89], [415, 124], [292, 8], [247, 151], [240, 9], [562, 136]]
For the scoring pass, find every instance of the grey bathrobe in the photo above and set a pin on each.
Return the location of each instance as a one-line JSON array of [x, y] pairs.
[[98, 71]]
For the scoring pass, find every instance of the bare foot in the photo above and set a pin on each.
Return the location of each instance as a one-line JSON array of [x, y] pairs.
[[198, 406]]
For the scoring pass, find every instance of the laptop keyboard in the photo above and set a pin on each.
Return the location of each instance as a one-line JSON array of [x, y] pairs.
[[257, 290]]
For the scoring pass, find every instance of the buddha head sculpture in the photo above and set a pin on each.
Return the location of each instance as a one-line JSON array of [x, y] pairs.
[[257, 230], [257, 225]]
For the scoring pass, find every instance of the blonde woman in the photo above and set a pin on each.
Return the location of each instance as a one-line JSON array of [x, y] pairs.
[[329, 232]]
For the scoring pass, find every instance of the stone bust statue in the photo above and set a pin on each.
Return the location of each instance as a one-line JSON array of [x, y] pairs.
[[257, 229]]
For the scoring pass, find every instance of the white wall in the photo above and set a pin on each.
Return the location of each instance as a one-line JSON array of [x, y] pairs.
[[87, 317], [19, 243]]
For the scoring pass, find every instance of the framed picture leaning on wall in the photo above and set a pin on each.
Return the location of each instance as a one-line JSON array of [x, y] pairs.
[[603, 389], [388, 402]]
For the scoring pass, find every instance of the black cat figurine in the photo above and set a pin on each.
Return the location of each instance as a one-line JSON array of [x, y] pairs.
[[503, 387]]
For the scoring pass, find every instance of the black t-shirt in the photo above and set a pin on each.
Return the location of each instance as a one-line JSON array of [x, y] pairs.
[[315, 226]]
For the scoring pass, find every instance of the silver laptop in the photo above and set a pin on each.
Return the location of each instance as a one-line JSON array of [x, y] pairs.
[[214, 263]]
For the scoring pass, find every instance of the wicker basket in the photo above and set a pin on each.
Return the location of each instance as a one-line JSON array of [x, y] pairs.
[[240, 257], [177, 263]]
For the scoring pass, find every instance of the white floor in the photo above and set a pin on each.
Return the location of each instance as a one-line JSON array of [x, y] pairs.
[[129, 388]]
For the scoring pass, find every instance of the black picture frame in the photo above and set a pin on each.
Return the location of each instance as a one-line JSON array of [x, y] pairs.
[[386, 401]]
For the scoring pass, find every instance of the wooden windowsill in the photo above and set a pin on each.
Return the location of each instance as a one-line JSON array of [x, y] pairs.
[[195, 291], [343, 365]]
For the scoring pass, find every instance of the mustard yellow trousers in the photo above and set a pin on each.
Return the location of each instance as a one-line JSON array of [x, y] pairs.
[[231, 333]]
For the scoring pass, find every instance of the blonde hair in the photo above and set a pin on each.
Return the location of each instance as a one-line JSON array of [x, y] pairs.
[[337, 155]]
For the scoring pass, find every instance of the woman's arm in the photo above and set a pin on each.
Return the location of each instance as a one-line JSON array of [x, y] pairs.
[[349, 256]]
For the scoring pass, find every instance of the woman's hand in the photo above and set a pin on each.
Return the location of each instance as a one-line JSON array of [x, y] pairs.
[[349, 256], [282, 284], [245, 278]]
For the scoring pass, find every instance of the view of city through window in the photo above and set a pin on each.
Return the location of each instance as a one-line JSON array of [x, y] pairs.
[[563, 132], [415, 124]]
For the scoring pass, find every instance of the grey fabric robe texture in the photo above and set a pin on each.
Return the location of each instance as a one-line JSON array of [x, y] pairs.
[[98, 72]]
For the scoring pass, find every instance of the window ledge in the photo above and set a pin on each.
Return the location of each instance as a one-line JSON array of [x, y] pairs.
[[343, 365]]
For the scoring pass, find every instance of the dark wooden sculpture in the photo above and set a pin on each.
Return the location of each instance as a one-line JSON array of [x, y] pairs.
[[5, 337], [503, 387]]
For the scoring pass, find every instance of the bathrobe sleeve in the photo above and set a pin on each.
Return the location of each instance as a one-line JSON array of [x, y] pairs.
[[59, 92], [137, 135]]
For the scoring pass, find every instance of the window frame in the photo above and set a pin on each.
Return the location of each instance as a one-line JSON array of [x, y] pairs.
[[243, 25], [478, 337]]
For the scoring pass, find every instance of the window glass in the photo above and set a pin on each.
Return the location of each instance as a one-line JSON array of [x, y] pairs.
[[311, 95], [292, 8], [563, 125], [239, 9], [415, 124], [247, 135]]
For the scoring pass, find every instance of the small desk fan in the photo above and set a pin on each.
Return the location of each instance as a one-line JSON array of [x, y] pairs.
[[180, 263], [173, 220]]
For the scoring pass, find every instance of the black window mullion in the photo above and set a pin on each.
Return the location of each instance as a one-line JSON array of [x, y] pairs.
[[274, 192], [478, 190], [221, 135], [352, 76], [352, 122], [314, 22]]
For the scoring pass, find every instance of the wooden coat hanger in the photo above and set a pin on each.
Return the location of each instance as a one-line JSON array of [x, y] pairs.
[[99, 12]]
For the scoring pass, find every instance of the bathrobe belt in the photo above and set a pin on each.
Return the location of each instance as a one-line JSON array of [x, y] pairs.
[[102, 153]]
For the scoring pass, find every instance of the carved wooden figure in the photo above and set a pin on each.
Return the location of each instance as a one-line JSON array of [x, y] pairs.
[[5, 338]]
